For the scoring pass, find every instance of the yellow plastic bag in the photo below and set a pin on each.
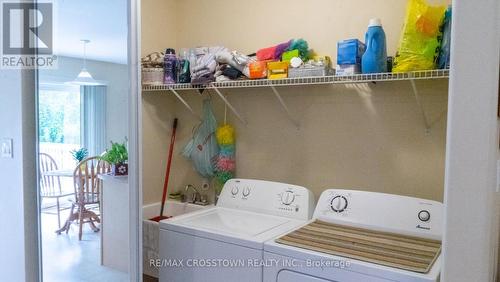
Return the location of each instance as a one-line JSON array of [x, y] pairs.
[[420, 39]]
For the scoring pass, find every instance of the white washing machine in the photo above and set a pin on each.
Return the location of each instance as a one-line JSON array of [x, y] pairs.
[[358, 236], [225, 243]]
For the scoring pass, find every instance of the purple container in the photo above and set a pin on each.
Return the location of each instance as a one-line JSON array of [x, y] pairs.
[[170, 67]]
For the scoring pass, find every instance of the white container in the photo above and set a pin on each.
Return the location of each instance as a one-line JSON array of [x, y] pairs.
[[151, 231], [308, 71]]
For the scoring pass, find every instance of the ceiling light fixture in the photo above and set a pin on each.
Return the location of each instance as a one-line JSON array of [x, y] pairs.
[[84, 77]]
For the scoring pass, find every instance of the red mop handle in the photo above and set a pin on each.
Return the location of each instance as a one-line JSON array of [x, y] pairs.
[[169, 163]]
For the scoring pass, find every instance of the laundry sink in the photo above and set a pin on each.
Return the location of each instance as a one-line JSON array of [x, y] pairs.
[[151, 229], [171, 208]]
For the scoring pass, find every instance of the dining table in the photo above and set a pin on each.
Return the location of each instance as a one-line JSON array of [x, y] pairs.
[[59, 173]]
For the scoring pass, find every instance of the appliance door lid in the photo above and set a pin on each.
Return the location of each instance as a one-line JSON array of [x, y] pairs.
[[289, 276], [233, 222], [293, 276]]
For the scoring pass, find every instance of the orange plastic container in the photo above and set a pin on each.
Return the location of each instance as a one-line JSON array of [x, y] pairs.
[[257, 69]]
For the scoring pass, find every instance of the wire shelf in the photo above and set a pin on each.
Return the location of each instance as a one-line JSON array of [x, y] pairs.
[[357, 78]]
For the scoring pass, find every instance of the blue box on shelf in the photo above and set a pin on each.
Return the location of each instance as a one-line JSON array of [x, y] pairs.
[[350, 51]]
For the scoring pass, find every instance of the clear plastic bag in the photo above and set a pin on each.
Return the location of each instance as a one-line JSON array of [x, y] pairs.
[[420, 39], [203, 149]]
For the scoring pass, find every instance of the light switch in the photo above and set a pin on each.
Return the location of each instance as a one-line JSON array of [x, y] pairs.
[[6, 148]]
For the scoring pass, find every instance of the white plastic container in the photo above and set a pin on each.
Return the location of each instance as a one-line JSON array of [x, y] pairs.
[[342, 70]]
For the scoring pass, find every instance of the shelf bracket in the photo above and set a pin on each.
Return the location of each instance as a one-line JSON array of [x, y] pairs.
[[185, 103], [235, 112], [285, 107], [419, 103]]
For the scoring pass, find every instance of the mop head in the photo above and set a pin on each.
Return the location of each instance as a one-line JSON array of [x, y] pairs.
[[225, 165], [226, 151], [225, 135], [223, 177], [302, 46], [159, 218]]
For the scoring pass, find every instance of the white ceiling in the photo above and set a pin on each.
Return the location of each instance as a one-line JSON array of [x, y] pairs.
[[103, 22]]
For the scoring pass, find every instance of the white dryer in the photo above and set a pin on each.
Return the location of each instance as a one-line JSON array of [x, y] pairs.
[[358, 236], [225, 243]]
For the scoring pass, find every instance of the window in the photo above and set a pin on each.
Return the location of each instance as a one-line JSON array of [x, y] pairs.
[[60, 122]]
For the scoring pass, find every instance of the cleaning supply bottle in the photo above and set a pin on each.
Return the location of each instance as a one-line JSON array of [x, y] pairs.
[[375, 57], [183, 71], [170, 66]]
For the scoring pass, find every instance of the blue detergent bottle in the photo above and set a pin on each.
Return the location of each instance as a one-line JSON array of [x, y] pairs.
[[375, 57]]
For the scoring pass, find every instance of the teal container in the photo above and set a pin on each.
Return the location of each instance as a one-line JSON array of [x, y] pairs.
[[374, 59]]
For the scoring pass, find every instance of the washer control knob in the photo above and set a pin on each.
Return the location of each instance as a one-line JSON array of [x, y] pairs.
[[339, 203], [235, 190], [287, 197], [424, 215], [246, 192]]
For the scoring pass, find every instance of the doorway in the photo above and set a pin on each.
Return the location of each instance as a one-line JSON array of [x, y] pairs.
[[82, 118]]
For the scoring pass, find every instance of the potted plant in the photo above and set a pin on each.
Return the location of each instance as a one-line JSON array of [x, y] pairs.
[[79, 154], [117, 156]]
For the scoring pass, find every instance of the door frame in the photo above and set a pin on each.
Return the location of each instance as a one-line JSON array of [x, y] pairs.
[[135, 160], [471, 221], [135, 141], [454, 249]]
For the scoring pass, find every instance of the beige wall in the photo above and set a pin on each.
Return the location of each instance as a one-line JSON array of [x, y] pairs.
[[159, 25], [368, 136]]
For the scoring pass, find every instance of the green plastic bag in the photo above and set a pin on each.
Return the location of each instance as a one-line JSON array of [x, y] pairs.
[[203, 149], [421, 37]]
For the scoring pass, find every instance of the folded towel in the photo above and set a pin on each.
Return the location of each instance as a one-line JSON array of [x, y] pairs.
[[203, 64]]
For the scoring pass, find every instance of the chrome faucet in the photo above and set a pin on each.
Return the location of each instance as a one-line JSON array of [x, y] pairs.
[[196, 194], [197, 198]]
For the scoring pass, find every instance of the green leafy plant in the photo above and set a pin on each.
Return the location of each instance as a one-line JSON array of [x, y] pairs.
[[80, 154], [118, 154]]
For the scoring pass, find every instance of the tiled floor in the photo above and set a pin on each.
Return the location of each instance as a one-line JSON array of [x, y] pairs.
[[65, 259]]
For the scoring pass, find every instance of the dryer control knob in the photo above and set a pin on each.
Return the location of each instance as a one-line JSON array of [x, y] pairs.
[[246, 192], [235, 190], [339, 203], [424, 215], [287, 198]]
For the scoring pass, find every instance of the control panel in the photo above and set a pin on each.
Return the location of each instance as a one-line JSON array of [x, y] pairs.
[[384, 212], [268, 197]]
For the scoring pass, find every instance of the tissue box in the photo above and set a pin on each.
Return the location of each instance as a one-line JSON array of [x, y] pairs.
[[350, 51]]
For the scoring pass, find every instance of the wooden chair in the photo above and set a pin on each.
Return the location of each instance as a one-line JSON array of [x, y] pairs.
[[50, 186], [87, 193]]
